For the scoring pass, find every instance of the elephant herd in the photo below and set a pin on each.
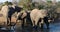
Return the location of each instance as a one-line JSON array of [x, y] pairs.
[[36, 17]]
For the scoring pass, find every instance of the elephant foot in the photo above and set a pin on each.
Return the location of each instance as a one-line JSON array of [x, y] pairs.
[[35, 27]]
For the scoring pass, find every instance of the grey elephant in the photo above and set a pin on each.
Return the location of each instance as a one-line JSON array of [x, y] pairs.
[[39, 17]]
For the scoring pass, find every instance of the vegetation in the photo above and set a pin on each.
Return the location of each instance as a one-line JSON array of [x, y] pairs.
[[29, 5], [8, 3]]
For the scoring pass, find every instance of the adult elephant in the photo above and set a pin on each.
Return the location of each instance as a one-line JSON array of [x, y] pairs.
[[8, 11], [37, 16], [25, 17]]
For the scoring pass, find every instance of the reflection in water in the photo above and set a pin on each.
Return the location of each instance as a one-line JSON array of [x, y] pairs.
[[26, 29], [44, 30], [53, 28]]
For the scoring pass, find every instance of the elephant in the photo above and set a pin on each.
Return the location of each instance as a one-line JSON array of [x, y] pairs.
[[37, 16], [8, 11], [25, 17]]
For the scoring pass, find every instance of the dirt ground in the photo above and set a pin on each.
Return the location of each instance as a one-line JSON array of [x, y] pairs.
[[2, 20]]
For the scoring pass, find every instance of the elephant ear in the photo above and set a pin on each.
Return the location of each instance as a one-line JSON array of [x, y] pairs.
[[18, 9]]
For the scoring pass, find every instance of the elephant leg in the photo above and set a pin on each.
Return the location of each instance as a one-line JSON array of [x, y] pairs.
[[10, 20], [22, 23], [47, 24], [7, 21], [46, 21], [42, 23], [25, 22], [36, 23], [33, 22], [39, 22]]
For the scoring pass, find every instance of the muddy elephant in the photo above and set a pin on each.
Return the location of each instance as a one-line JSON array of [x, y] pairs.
[[39, 17], [25, 17], [8, 11]]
